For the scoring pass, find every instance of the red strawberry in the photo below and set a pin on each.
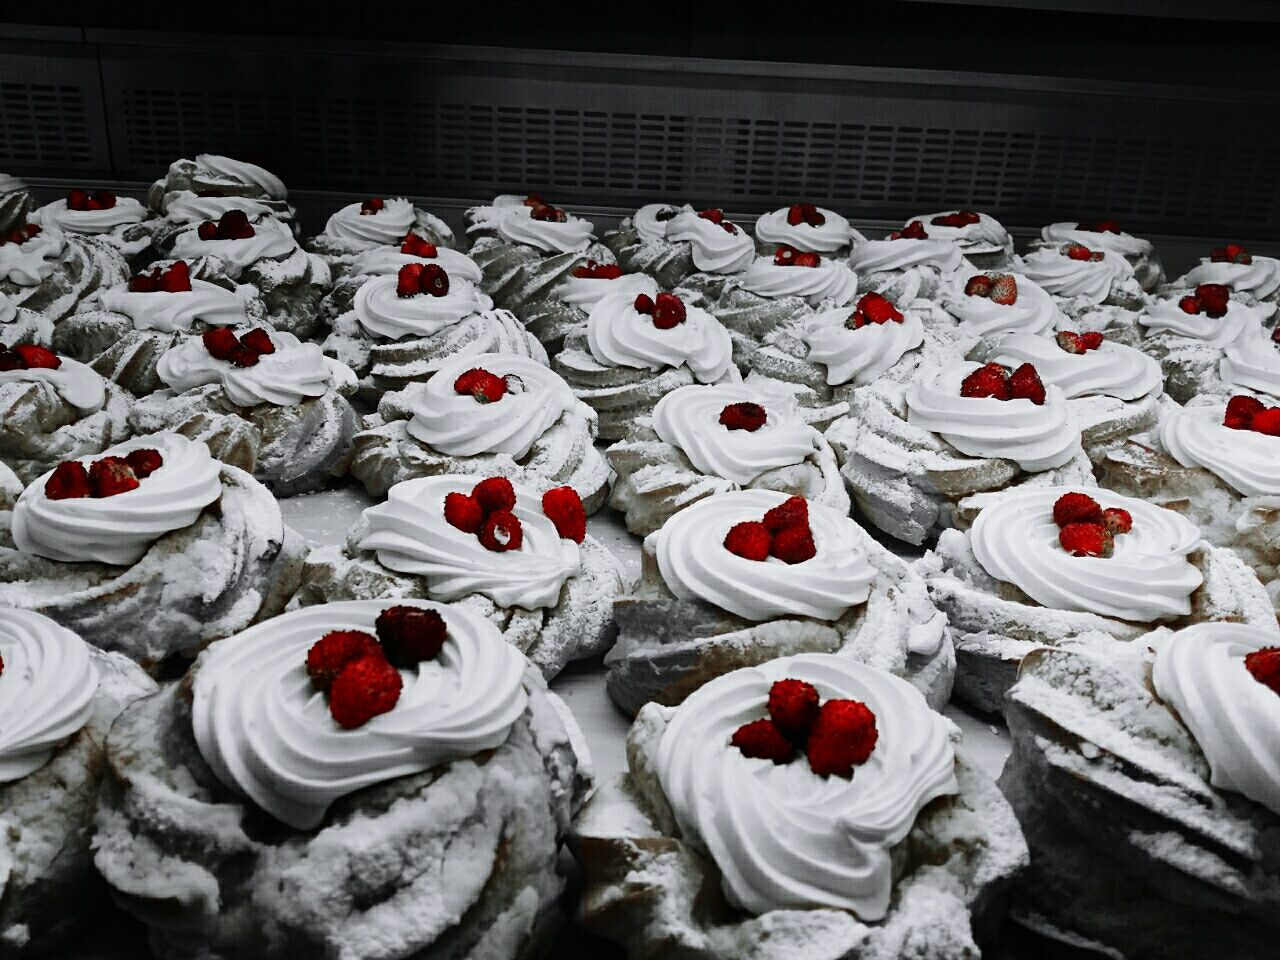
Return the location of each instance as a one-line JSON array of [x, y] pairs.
[[1264, 666], [111, 476], [534, 200], [979, 285], [812, 215], [415, 246], [1117, 521], [793, 545], [912, 231], [792, 512], [563, 507], [37, 358], [207, 230], [547, 213], [335, 650], [433, 280], [1092, 340], [362, 690], [1078, 251], [1231, 253], [749, 540], [1070, 342], [69, 481], [643, 304], [1005, 290], [235, 225], [1189, 304], [408, 280], [77, 200], [1085, 540], [463, 511], [785, 255], [878, 309], [244, 356], [591, 270], [1104, 226], [144, 462], [145, 283], [1241, 411], [259, 341], [744, 416], [714, 215], [1267, 421], [991, 380], [805, 259], [501, 531], [668, 311], [9, 360], [842, 737], [795, 215], [102, 200], [1214, 299], [372, 206], [494, 493], [793, 705], [177, 279], [486, 387], [410, 635], [1076, 508], [961, 218], [762, 740], [221, 342], [1025, 384]]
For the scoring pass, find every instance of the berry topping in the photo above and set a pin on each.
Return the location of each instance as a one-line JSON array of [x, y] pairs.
[[990, 380], [1076, 508], [643, 304], [1100, 226], [842, 736], [591, 270], [501, 531], [793, 705], [1004, 290], [463, 511], [563, 507], [221, 342], [1085, 529], [21, 235], [372, 206], [176, 279], [1231, 253], [750, 540], [533, 200], [873, 308], [979, 285], [1085, 540], [233, 225], [782, 532], [743, 416], [144, 462], [111, 476], [1073, 342], [912, 231], [788, 256], [335, 650], [762, 740], [961, 218], [668, 311], [1264, 666], [69, 481], [1078, 251], [486, 387], [793, 545], [415, 246], [258, 340], [1267, 421], [1189, 304], [1025, 384], [363, 689], [26, 356], [494, 493], [547, 213], [1214, 299], [792, 512], [1241, 411], [416, 278], [799, 213], [410, 635], [1117, 521], [82, 200], [716, 216]]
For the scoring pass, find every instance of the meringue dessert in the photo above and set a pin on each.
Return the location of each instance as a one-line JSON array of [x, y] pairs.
[[566, 309], [982, 239], [807, 227], [208, 186], [907, 264], [374, 224], [1095, 287], [16, 203], [1235, 267], [1108, 235], [672, 243], [49, 272], [121, 222]]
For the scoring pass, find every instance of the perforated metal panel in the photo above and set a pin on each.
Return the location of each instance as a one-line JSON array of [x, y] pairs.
[[50, 114]]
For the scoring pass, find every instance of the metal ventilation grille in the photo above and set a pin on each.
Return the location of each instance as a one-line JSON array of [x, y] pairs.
[[44, 126]]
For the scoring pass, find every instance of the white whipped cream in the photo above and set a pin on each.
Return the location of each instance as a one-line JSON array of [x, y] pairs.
[[1112, 370], [271, 240], [1261, 278], [387, 227], [879, 256], [834, 234], [1035, 311], [646, 221], [515, 225], [988, 235], [127, 211], [77, 384], [1124, 244], [166, 312], [715, 249], [1247, 461], [267, 733], [1095, 280], [217, 167], [585, 292], [619, 336], [1147, 578], [384, 260], [186, 206], [285, 378], [860, 356], [33, 262], [1252, 361], [830, 280], [783, 837], [384, 314], [486, 215], [1165, 316]]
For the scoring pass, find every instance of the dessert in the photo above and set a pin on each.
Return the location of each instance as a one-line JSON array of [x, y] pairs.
[[20, 325], [121, 222], [989, 303], [152, 549], [1096, 288], [484, 414], [50, 272], [373, 224], [740, 578], [566, 309], [981, 238], [15, 203], [672, 243], [1108, 235], [423, 819], [208, 186], [1233, 266], [907, 264], [807, 227], [711, 847], [507, 553]]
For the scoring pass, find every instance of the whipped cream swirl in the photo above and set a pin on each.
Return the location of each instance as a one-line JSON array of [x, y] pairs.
[[271, 240], [695, 565], [118, 530], [585, 292], [409, 534], [835, 233], [267, 733], [217, 167], [1036, 437], [33, 262], [1035, 311], [78, 384], [1095, 280], [879, 256], [187, 207], [126, 211], [385, 228], [178, 312], [619, 336], [1112, 370], [646, 221], [783, 837], [285, 378], [1200, 672], [988, 235], [384, 314], [1247, 461], [860, 356], [1124, 244], [715, 249], [1253, 362], [1147, 578], [1241, 319], [1261, 278], [384, 260], [46, 690], [830, 280], [689, 418], [515, 225]]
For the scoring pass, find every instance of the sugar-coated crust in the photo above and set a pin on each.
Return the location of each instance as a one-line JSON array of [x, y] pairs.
[[238, 563], [39, 428], [457, 861], [750, 318], [340, 254], [15, 208], [1131, 848], [87, 264], [668, 263], [518, 276], [48, 888], [26, 326], [667, 647], [649, 890]]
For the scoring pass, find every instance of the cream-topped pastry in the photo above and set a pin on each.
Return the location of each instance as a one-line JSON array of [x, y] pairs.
[[517, 225], [1033, 311], [1111, 370], [1260, 277], [177, 312], [651, 220], [859, 355], [1094, 279], [271, 240], [124, 212], [187, 207], [118, 529], [1166, 315], [823, 231], [388, 260], [269, 736], [34, 260], [695, 564], [585, 292], [881, 256], [1148, 577], [383, 313], [294, 372], [718, 246], [76, 383], [620, 336], [1252, 361], [1116, 241], [217, 168], [1246, 460], [974, 233], [830, 280], [782, 836], [386, 226], [410, 534]]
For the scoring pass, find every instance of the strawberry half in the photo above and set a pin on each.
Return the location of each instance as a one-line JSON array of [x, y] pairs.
[[69, 481], [762, 740], [1241, 411], [486, 387], [1076, 508], [979, 285], [668, 311], [259, 341], [988, 381], [744, 416], [750, 540], [415, 246], [793, 545], [221, 342], [501, 531], [494, 493], [37, 358], [1264, 666], [372, 206], [328, 655], [463, 512], [144, 462], [111, 476], [793, 705], [792, 512], [364, 689], [1085, 540], [1004, 290], [842, 736], [410, 635], [1025, 384], [591, 270], [563, 507]]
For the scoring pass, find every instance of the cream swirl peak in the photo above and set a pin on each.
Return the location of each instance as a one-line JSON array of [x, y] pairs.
[[651, 220], [830, 280], [859, 356], [715, 249], [689, 418], [1167, 316], [46, 690], [783, 837], [1244, 459], [1119, 242], [517, 225], [178, 312], [585, 292], [1259, 278], [618, 335], [271, 240], [188, 207], [409, 534], [1200, 672], [34, 260], [1147, 578], [125, 212], [829, 236], [1252, 361], [1035, 436], [695, 565], [384, 314], [1095, 280], [215, 167], [1034, 311], [78, 384], [268, 735], [972, 232], [118, 530], [386, 227], [388, 260], [879, 256], [459, 425], [1111, 370], [294, 372]]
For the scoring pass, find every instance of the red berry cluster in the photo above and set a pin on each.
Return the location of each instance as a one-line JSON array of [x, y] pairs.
[[372, 206], [788, 256], [105, 477], [1249, 413], [1078, 251], [591, 270], [873, 308], [546, 212], [176, 279], [716, 216], [486, 387], [799, 213], [242, 351], [488, 512], [25, 356], [1231, 253], [1001, 288], [83, 200], [361, 672], [666, 309], [961, 218], [418, 278], [1073, 342], [1099, 226], [995, 381], [782, 532], [1211, 299], [233, 225], [912, 231], [744, 416], [415, 246], [1264, 666], [21, 235], [1084, 528], [835, 736]]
